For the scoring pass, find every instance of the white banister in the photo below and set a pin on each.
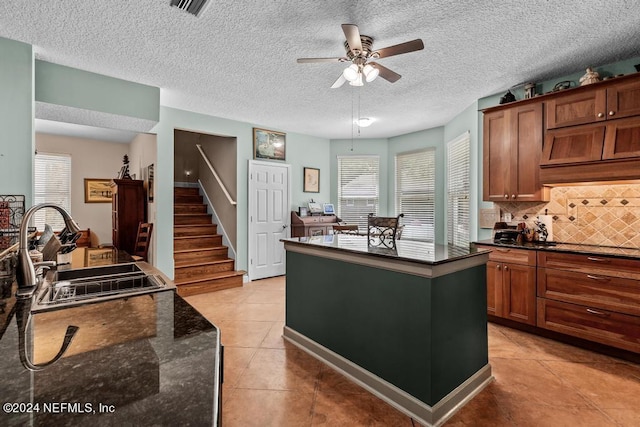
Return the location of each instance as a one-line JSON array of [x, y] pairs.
[[224, 189]]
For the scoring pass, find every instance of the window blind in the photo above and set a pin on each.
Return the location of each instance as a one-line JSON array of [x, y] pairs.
[[358, 188], [458, 191], [415, 193], [52, 182]]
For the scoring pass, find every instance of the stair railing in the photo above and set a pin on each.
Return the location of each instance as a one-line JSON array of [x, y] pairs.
[[224, 189]]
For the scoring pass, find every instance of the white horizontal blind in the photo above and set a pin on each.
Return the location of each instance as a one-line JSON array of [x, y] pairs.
[[358, 188], [415, 193], [52, 180], [458, 191]]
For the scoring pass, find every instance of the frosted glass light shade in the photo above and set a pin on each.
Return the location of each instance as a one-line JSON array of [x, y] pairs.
[[351, 73], [370, 72]]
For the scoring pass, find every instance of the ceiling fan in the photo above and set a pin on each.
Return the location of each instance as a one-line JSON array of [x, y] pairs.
[[359, 51]]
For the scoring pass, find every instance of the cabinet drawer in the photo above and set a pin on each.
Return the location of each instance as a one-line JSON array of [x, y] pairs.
[[592, 264], [510, 255], [603, 292], [614, 329]]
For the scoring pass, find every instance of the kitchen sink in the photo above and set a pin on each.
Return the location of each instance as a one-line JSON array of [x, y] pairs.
[[95, 284], [114, 270]]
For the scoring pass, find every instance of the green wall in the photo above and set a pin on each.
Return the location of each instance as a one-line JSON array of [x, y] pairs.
[[60, 85], [301, 150], [16, 119]]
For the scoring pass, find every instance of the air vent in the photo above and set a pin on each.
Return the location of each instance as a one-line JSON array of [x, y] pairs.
[[194, 7]]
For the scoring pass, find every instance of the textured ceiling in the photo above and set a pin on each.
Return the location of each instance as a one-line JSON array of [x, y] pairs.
[[238, 59]]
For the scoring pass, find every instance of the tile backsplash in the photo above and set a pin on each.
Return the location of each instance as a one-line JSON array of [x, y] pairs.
[[606, 215]]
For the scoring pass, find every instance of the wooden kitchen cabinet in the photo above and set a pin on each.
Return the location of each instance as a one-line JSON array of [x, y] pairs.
[[511, 284], [127, 211], [512, 139], [591, 297], [595, 103]]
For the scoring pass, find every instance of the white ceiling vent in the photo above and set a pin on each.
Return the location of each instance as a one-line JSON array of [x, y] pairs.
[[194, 7]]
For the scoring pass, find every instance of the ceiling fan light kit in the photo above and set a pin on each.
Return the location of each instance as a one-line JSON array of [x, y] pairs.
[[364, 122], [359, 51]]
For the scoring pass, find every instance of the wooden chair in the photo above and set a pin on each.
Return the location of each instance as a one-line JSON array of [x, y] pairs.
[[345, 229], [383, 230], [143, 240]]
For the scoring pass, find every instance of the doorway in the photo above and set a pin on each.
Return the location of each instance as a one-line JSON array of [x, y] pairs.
[[269, 217]]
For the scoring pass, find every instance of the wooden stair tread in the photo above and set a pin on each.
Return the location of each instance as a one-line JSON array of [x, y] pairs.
[[208, 248], [188, 264], [199, 236], [218, 275]]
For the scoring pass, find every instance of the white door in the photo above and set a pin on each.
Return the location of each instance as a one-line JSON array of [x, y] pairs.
[[269, 218]]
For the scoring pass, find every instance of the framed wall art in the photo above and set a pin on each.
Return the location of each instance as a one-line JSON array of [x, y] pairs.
[[268, 144], [311, 180], [97, 190]]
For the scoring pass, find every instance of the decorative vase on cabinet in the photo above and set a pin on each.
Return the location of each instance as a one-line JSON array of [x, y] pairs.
[[127, 211]]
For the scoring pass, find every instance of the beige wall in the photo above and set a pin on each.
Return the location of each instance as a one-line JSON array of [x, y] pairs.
[[594, 215], [186, 157], [89, 159], [143, 151]]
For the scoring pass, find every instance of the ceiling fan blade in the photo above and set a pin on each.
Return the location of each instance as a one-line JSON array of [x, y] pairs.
[[341, 80], [385, 73], [308, 60], [397, 49], [352, 34]]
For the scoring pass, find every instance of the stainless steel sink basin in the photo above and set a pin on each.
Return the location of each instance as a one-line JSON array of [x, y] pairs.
[[101, 271], [96, 284]]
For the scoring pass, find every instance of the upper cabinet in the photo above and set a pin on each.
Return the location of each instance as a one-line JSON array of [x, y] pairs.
[[512, 150], [594, 104]]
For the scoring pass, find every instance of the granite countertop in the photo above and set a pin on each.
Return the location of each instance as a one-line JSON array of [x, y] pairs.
[[149, 359], [633, 253], [405, 250]]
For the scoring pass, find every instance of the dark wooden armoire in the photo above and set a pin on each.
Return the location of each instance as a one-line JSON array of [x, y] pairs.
[[128, 210]]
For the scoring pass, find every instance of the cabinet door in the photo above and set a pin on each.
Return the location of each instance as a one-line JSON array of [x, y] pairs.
[[526, 151], [573, 145], [497, 157], [623, 99], [494, 288], [622, 139], [576, 109], [519, 293]]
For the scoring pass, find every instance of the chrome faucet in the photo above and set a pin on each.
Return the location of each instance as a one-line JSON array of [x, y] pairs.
[[26, 273]]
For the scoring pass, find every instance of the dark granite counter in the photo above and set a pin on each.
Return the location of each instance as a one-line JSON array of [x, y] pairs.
[[140, 360], [405, 250], [631, 253]]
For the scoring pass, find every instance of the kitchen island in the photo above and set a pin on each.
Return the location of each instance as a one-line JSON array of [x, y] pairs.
[[148, 359], [409, 324]]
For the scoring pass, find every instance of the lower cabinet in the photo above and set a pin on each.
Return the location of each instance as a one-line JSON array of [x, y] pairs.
[[511, 284], [596, 298]]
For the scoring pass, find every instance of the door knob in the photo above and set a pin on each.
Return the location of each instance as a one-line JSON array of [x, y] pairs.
[[284, 226]]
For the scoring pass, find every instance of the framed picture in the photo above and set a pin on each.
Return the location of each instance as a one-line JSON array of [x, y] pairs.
[[97, 190], [268, 144], [98, 256], [147, 176], [311, 180], [303, 211]]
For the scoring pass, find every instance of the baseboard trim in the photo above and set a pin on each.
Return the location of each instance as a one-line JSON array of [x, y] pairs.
[[427, 415]]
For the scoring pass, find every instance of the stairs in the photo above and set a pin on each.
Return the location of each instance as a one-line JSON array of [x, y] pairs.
[[201, 261]]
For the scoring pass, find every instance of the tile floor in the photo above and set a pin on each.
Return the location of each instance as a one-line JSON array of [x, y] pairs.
[[538, 382]]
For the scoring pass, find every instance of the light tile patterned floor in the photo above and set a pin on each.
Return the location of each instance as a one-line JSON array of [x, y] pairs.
[[538, 382]]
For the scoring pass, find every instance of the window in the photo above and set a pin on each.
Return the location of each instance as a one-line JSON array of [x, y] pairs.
[[415, 193], [458, 191], [52, 181], [358, 188]]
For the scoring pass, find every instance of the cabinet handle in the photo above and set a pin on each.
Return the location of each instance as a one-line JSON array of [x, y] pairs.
[[513, 196], [596, 259], [612, 113], [597, 313], [600, 279], [506, 196], [600, 115], [498, 266], [503, 250], [506, 267]]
